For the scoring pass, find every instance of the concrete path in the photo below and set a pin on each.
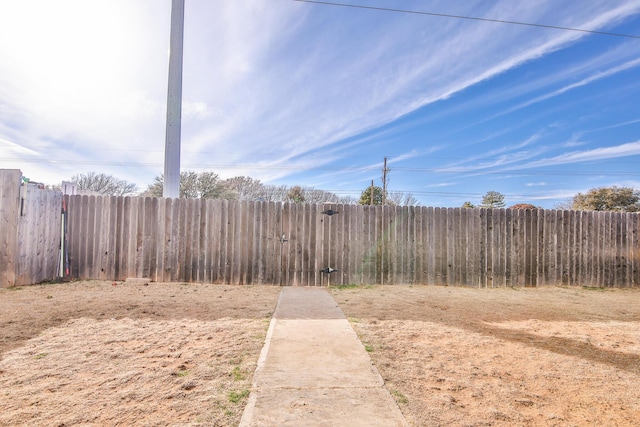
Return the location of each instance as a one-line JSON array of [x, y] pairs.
[[314, 371]]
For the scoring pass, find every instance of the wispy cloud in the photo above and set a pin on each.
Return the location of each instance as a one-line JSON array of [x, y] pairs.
[[623, 150], [555, 195], [274, 89], [590, 79], [520, 160], [8, 148], [499, 157], [614, 126], [409, 155], [587, 69], [441, 184], [334, 91]]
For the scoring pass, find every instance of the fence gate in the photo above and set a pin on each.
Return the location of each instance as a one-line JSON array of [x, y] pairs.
[[318, 245], [314, 250], [299, 240]]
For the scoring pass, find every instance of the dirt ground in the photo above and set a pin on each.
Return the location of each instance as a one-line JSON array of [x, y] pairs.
[[94, 353], [504, 357]]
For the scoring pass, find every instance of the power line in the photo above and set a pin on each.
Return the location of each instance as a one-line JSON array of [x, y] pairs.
[[444, 194], [472, 18], [303, 168], [413, 192]]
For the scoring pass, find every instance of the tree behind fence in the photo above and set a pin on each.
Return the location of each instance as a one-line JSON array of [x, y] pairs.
[[219, 241]]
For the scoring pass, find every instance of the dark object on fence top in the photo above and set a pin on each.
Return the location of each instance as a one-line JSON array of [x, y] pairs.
[[329, 212], [328, 270]]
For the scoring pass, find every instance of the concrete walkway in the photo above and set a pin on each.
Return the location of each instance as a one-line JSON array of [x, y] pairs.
[[314, 371]]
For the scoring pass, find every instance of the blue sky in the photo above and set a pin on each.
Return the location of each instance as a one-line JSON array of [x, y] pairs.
[[305, 94]]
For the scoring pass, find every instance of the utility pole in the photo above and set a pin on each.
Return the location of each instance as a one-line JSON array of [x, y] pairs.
[[372, 192], [171, 186], [384, 182]]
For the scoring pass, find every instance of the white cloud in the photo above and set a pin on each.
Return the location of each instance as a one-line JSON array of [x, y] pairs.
[[441, 184], [617, 125], [409, 155], [562, 194], [8, 148], [603, 153], [499, 157], [628, 183], [587, 80], [278, 87], [197, 111]]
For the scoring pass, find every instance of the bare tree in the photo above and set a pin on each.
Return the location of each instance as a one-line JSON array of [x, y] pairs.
[[193, 185], [399, 198], [565, 205], [244, 187], [209, 185], [104, 184], [315, 196], [273, 193]]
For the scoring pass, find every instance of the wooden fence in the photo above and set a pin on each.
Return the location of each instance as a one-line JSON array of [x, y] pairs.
[[30, 231], [222, 241]]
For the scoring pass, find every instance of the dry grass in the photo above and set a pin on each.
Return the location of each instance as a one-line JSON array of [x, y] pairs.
[[156, 355], [94, 353], [503, 357]]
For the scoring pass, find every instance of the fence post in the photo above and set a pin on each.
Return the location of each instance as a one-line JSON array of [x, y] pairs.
[[10, 180]]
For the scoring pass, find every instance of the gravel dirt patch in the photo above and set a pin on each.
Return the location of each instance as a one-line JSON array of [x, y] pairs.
[[503, 357]]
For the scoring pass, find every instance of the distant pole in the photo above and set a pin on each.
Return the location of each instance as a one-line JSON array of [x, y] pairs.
[[171, 187], [384, 182], [372, 192]]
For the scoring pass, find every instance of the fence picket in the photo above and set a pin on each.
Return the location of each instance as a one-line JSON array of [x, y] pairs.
[[242, 242]]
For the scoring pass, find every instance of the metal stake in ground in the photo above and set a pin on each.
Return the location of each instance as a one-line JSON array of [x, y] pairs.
[[328, 272]]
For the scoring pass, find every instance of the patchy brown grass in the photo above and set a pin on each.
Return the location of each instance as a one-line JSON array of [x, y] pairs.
[[91, 353], [502, 357]]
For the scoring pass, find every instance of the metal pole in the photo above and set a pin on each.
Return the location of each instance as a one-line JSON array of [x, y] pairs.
[[171, 187]]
